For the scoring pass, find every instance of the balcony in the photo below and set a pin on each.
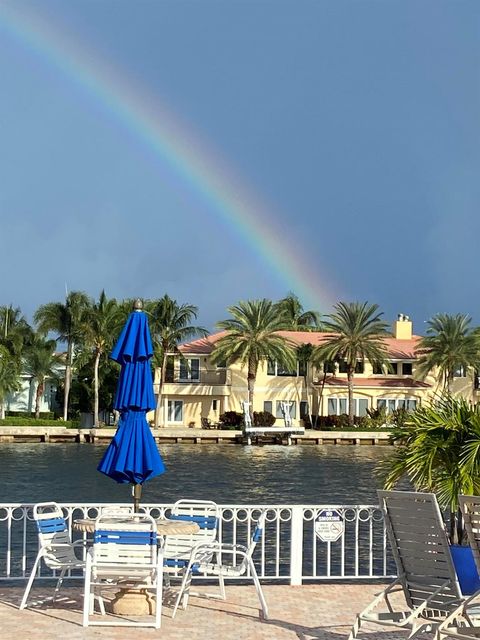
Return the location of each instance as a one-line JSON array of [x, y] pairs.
[[212, 377], [211, 381]]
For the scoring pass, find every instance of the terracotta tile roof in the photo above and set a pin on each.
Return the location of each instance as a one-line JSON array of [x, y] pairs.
[[388, 383], [202, 345], [397, 349]]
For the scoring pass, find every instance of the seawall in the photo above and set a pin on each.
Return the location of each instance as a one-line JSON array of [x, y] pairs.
[[179, 435]]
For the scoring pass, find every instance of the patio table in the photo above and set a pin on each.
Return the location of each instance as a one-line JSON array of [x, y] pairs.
[[165, 527], [132, 601]]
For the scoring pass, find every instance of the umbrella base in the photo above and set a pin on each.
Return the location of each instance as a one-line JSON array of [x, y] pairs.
[[133, 602]]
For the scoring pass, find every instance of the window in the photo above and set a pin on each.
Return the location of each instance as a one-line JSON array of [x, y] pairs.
[[359, 367], [303, 409], [175, 410], [222, 364], [459, 372], [276, 369], [190, 369], [407, 368], [337, 406], [279, 413], [391, 404], [267, 406], [362, 406], [170, 369], [392, 369], [377, 369], [283, 371], [214, 405], [302, 368], [329, 367]]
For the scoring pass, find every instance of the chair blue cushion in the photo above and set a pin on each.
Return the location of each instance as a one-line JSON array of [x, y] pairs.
[[204, 522], [104, 536], [177, 563], [51, 525]]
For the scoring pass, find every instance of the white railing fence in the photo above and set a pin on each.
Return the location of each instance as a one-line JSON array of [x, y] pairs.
[[290, 550]]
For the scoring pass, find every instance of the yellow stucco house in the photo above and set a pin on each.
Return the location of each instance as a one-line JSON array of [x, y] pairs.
[[196, 388]]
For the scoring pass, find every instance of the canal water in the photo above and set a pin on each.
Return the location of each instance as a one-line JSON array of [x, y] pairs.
[[227, 474]]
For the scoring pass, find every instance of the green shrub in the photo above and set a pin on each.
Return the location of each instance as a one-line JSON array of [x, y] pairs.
[[44, 415], [399, 417], [33, 422], [263, 419], [231, 419], [377, 417], [340, 423]]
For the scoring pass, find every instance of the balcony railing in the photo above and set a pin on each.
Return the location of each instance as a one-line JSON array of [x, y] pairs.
[[210, 377], [290, 550]]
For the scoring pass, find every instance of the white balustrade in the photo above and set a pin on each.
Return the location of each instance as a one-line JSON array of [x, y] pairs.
[[290, 550]]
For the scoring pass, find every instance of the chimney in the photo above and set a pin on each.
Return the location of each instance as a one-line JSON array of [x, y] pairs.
[[402, 327]]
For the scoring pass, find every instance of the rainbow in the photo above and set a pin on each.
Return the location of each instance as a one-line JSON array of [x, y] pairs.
[[198, 167]]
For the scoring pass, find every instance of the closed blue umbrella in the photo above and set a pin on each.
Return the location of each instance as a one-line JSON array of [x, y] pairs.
[[132, 456]]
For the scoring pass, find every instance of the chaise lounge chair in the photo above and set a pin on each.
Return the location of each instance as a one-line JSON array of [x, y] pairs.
[[464, 621], [426, 574]]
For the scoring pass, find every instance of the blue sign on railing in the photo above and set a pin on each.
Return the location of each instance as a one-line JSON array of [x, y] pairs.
[[329, 525]]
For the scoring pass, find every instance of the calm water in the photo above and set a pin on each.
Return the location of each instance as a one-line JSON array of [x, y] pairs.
[[226, 474]]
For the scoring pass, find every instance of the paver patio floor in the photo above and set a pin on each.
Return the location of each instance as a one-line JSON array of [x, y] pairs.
[[324, 611]]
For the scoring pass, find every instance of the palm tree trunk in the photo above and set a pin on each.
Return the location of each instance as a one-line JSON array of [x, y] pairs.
[[453, 528], [2, 409], [95, 389], [251, 377], [251, 388], [158, 408], [38, 395], [449, 382], [307, 397], [350, 398], [319, 396], [460, 527], [68, 379]]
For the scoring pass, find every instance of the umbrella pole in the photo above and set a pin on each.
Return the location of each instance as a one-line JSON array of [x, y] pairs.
[[137, 494]]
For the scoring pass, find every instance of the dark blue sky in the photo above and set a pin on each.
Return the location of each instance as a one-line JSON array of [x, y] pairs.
[[358, 121]]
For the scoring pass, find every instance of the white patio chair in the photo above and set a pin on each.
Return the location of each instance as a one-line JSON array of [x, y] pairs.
[[242, 562], [247, 418], [287, 418], [426, 574], [177, 549], [464, 621], [56, 548], [125, 553]]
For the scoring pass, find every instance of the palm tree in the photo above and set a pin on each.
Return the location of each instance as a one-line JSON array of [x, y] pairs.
[[252, 336], [170, 325], [41, 362], [64, 319], [9, 377], [295, 317], [448, 345], [101, 324], [438, 453], [304, 357], [356, 334], [15, 332]]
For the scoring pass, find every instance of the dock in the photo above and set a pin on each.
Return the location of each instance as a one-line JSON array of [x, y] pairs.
[[183, 435]]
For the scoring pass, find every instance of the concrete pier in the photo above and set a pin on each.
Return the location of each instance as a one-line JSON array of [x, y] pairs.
[[180, 435]]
